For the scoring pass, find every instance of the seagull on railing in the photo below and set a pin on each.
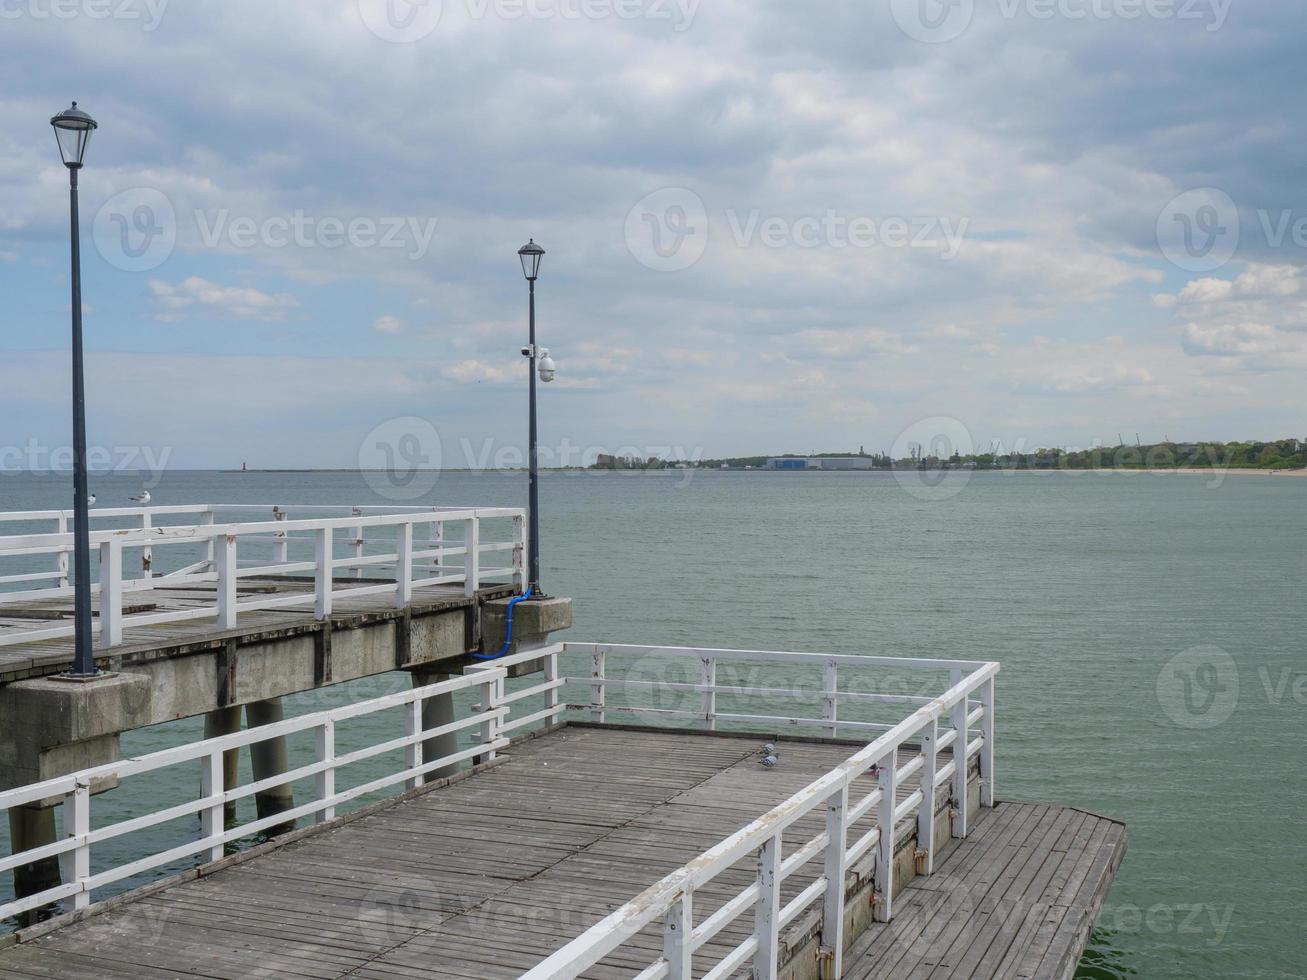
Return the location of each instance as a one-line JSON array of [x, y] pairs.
[[90, 501], [140, 498]]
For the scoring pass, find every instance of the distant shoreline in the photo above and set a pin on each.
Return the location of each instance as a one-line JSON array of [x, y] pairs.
[[1009, 471], [1013, 471]]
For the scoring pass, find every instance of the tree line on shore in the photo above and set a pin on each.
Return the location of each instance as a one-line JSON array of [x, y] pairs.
[[1276, 454]]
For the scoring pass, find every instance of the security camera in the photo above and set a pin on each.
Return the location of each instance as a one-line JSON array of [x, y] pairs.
[[547, 367]]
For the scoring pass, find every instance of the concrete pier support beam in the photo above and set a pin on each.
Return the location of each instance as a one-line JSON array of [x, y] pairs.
[[226, 721], [533, 622], [437, 711], [269, 758], [29, 828]]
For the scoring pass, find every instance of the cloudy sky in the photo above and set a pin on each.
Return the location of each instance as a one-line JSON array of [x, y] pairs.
[[771, 225]]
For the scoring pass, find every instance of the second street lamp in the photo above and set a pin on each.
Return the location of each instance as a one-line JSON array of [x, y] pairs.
[[73, 128], [531, 255]]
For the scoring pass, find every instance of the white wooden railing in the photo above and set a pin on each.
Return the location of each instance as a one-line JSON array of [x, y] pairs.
[[959, 721], [74, 850], [935, 742], [215, 547]]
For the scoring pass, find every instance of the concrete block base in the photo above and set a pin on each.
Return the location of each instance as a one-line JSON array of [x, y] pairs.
[[533, 622]]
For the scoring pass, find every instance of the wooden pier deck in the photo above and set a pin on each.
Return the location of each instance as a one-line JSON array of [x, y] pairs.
[[484, 877]]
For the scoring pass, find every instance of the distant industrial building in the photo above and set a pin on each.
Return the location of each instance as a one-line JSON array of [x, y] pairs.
[[820, 463]]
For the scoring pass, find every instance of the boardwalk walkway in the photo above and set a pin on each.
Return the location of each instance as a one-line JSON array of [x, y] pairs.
[[484, 877]]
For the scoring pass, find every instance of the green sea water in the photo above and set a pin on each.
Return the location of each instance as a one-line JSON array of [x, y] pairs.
[[1152, 632]]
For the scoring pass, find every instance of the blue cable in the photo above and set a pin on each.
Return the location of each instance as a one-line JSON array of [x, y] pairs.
[[508, 633]]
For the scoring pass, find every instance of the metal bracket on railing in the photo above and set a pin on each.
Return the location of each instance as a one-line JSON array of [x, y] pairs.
[[826, 963]]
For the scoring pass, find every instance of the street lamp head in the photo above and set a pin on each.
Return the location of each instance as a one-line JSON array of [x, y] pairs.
[[72, 128], [548, 369], [531, 254]]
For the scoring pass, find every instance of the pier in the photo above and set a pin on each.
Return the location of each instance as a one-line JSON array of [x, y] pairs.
[[603, 811], [219, 610]]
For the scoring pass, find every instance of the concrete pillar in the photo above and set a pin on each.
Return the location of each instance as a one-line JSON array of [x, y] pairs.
[[269, 758], [437, 711], [28, 828], [226, 721]]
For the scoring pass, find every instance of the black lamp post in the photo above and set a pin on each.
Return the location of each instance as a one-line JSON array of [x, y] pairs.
[[531, 254], [73, 128]]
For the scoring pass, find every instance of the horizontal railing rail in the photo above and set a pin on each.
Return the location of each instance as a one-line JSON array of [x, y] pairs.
[[214, 552]]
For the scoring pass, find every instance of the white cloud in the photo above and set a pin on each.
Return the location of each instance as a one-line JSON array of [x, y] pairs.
[[1232, 340], [1090, 379], [1251, 321], [1206, 291], [200, 297], [388, 324], [474, 372]]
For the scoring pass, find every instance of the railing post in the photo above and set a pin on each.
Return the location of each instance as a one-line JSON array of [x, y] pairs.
[[888, 777], [76, 864], [926, 814], [829, 702], [413, 751], [678, 924], [111, 594], [226, 546], [490, 727], [324, 783], [61, 556], [438, 545], [404, 566], [767, 913], [207, 520], [358, 542], [147, 553], [322, 555], [709, 677], [471, 556], [958, 716], [281, 544], [599, 691], [551, 674], [212, 788], [519, 553], [987, 751], [832, 924]]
